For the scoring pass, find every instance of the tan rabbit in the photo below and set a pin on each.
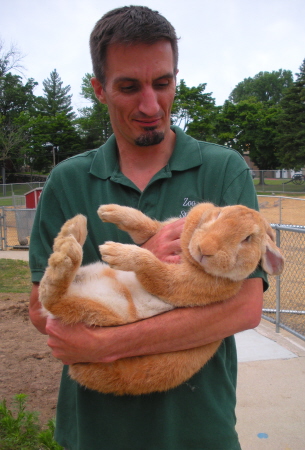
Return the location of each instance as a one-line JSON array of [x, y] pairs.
[[221, 246]]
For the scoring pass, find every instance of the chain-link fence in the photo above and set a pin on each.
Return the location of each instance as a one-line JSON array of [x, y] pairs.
[[284, 302], [15, 227], [13, 194], [16, 218]]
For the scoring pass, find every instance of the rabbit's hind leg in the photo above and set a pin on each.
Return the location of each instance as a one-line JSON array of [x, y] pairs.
[[77, 227], [64, 262]]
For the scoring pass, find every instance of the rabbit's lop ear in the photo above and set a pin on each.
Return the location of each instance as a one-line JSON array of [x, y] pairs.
[[272, 259]]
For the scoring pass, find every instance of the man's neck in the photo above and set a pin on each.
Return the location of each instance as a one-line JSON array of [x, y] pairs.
[[140, 164]]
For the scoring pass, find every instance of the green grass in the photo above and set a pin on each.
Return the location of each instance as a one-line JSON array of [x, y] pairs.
[[14, 276], [6, 201], [20, 429], [279, 187]]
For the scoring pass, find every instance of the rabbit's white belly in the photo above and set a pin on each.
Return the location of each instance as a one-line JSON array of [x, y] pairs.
[[115, 290]]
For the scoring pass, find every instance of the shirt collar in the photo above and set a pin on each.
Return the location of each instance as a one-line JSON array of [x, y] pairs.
[[186, 155], [105, 161]]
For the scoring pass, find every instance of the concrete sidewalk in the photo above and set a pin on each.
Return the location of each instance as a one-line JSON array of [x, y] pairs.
[[14, 254], [270, 389], [271, 386]]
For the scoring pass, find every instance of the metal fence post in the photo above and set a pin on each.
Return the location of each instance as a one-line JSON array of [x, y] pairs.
[[278, 289], [1, 228], [4, 231]]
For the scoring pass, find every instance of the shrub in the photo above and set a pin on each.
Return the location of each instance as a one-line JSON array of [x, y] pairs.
[[20, 429]]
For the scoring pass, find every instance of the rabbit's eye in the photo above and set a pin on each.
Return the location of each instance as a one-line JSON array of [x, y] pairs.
[[248, 238]]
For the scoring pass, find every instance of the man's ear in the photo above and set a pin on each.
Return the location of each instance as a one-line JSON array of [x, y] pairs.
[[98, 90]]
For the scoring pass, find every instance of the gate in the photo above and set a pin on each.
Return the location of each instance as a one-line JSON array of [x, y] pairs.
[[15, 227]]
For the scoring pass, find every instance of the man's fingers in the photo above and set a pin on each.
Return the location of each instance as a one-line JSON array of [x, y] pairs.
[[165, 245], [173, 259]]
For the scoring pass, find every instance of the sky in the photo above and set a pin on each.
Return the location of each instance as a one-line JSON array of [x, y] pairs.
[[221, 41]]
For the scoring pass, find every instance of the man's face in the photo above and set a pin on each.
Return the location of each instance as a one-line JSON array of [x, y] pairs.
[[139, 91]]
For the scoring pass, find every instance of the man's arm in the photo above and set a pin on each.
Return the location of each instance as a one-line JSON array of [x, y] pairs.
[[179, 329], [35, 310]]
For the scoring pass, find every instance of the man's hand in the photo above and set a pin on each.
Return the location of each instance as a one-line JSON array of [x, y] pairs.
[[165, 245], [72, 343]]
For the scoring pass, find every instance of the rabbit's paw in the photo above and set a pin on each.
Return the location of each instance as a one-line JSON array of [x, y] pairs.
[[67, 258], [120, 256], [126, 218], [112, 213]]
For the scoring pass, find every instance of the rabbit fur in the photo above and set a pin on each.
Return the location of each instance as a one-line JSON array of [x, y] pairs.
[[221, 246]]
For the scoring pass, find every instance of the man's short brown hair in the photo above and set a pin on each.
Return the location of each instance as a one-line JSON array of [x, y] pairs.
[[129, 25]]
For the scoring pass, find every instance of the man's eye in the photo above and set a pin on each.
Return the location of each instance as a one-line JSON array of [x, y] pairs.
[[162, 84], [128, 88]]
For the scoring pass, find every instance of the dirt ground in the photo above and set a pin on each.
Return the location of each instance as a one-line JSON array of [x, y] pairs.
[[26, 363], [287, 211]]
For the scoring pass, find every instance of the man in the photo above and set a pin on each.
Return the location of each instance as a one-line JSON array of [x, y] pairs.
[[158, 169]]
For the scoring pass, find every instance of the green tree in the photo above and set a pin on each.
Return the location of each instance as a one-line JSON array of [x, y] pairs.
[[56, 98], [291, 125], [264, 86], [12, 138], [194, 111], [250, 127], [15, 98], [52, 131], [94, 121], [51, 139]]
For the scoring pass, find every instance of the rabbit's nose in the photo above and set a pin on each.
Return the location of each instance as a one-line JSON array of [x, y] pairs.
[[207, 249], [205, 252]]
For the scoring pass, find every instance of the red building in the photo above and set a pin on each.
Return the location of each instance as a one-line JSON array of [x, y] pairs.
[[32, 197]]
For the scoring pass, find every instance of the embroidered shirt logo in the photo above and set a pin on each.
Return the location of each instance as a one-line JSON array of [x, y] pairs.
[[188, 204]]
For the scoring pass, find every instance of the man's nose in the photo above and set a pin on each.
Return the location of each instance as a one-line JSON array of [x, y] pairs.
[[149, 102]]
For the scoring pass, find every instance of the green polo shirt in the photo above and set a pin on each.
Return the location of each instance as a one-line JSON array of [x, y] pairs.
[[199, 414]]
